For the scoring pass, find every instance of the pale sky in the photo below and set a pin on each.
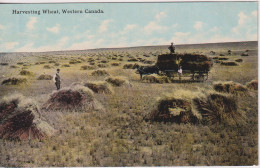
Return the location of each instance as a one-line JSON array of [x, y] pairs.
[[125, 25]]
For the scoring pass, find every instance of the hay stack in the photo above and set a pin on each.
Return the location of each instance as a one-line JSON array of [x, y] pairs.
[[229, 63], [223, 58], [117, 81], [253, 84], [26, 73], [14, 81], [100, 73], [176, 108], [115, 64], [245, 54], [154, 78], [102, 65], [206, 107], [218, 108], [45, 77], [87, 67], [20, 118], [99, 87], [13, 66], [74, 61], [229, 87], [4, 63], [239, 60], [47, 67], [131, 66], [65, 65], [73, 98]]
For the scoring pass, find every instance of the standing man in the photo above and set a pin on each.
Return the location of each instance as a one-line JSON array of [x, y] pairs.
[[180, 73], [171, 48], [57, 79]]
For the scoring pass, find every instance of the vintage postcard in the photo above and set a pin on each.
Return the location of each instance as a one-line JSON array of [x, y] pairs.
[[129, 84]]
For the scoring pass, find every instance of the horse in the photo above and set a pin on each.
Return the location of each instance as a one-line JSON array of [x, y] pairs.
[[146, 70]]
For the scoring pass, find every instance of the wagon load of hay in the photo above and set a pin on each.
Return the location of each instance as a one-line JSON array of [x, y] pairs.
[[206, 107], [229, 87], [20, 118], [14, 81], [99, 87], [73, 98], [191, 62], [253, 84]]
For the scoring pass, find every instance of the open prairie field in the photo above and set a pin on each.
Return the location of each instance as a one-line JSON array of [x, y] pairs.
[[104, 115]]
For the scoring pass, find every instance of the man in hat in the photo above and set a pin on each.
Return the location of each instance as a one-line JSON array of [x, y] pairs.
[[57, 79], [171, 48]]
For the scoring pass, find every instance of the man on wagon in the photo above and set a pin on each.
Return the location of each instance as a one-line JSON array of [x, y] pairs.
[[171, 48]]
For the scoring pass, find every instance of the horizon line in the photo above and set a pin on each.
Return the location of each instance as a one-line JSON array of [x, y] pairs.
[[130, 47]]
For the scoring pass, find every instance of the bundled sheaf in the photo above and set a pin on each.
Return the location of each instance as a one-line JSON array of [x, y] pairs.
[[229, 87], [20, 118], [45, 77], [14, 81], [99, 87], [191, 62], [253, 84], [117, 81], [73, 98], [205, 107], [100, 73]]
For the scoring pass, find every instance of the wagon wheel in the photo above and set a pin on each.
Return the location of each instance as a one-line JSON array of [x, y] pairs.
[[201, 76]]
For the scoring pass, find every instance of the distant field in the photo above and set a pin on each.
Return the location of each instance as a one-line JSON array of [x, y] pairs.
[[119, 133]]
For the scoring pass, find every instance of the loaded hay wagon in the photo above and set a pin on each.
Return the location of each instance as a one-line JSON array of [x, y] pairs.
[[194, 66]]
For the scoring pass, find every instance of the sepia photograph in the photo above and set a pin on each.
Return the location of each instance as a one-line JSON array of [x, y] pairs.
[[116, 84]]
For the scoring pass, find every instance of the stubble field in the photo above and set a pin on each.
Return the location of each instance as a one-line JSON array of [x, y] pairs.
[[118, 132]]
